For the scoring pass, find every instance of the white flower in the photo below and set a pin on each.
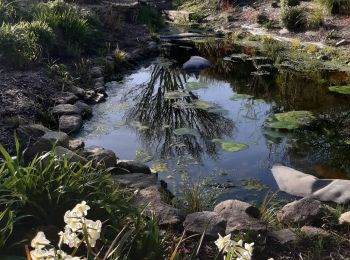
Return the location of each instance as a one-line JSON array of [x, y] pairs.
[[93, 230], [69, 238], [223, 242], [40, 254], [72, 220], [81, 209], [64, 256], [249, 247], [39, 241]]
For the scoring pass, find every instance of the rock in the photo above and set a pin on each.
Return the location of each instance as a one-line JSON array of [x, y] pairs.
[[174, 15], [207, 221], [344, 219], [304, 211], [100, 80], [66, 98], [314, 231], [66, 109], [62, 152], [283, 31], [96, 72], [56, 138], [134, 166], [240, 216], [99, 155], [99, 88], [196, 63], [150, 198], [70, 123], [85, 109], [284, 236], [304, 185], [79, 92], [76, 144], [30, 133], [137, 180]]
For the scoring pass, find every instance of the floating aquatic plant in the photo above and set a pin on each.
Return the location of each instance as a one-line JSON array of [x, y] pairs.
[[231, 147], [340, 89], [200, 104], [185, 131], [290, 120], [175, 95], [138, 125], [240, 96], [194, 85], [143, 156], [253, 184], [160, 166]]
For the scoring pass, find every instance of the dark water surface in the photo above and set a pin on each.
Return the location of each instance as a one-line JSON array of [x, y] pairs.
[[161, 115]]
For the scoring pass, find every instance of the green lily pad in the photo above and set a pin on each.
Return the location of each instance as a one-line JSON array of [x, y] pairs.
[[160, 166], [138, 125], [143, 156], [253, 184], [200, 104], [290, 120], [347, 142], [185, 131], [240, 96], [340, 89], [175, 95], [194, 85], [231, 147]]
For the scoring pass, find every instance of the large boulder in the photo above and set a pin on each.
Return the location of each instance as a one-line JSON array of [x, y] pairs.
[[101, 156], [66, 109], [62, 152], [70, 123], [209, 222], [151, 199], [27, 134], [134, 166], [137, 180], [85, 109], [304, 185], [196, 63], [240, 216], [301, 212]]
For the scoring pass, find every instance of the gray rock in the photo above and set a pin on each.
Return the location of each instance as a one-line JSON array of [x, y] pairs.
[[284, 236], [70, 123], [76, 144], [96, 72], [196, 63], [101, 156], [79, 92], [304, 211], [150, 198], [207, 221], [66, 109], [67, 98], [137, 180], [240, 216], [62, 152], [99, 87], [100, 80], [314, 231], [305, 185], [344, 219], [56, 138], [30, 133], [134, 166], [85, 109]]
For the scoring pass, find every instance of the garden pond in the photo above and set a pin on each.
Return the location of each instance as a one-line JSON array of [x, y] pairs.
[[227, 125]]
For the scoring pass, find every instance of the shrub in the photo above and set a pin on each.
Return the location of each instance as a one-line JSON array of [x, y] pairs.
[[287, 3], [294, 19], [7, 11], [316, 19], [262, 18], [18, 45], [77, 27], [335, 6], [44, 35], [151, 17]]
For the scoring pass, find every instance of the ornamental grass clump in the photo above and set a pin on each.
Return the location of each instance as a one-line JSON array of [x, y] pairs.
[[78, 231]]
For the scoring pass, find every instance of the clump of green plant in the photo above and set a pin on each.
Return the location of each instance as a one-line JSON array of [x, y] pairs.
[[294, 19], [76, 27], [316, 18], [335, 6], [262, 18], [7, 11], [286, 3], [120, 55], [151, 17]]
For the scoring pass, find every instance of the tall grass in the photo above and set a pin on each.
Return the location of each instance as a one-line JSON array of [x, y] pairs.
[[7, 11]]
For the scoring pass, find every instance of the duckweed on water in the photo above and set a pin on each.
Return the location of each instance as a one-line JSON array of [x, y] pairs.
[[340, 89], [290, 120]]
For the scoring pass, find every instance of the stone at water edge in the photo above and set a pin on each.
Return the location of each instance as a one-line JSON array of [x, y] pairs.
[[134, 166], [137, 180], [66, 109], [62, 152], [207, 221], [76, 144], [196, 63], [85, 109], [70, 123], [304, 211], [100, 155], [344, 219], [240, 216], [96, 72], [305, 185]]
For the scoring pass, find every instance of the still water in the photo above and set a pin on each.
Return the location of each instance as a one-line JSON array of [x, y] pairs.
[[176, 122]]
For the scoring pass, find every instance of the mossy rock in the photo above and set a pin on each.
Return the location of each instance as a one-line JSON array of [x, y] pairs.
[[340, 89], [290, 120]]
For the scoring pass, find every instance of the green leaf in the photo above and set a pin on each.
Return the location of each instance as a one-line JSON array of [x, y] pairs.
[[231, 147], [240, 97], [290, 120], [185, 131], [340, 89]]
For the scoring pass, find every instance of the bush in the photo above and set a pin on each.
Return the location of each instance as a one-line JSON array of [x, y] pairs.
[[336, 6], [294, 19], [287, 3], [262, 18], [316, 19], [151, 17], [7, 11], [18, 45], [77, 27], [44, 35]]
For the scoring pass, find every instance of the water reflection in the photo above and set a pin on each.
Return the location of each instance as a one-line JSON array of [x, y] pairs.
[[162, 113]]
